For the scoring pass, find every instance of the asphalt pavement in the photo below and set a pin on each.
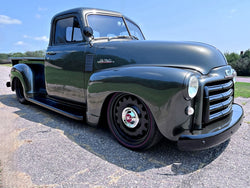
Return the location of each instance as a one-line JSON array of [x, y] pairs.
[[243, 79], [39, 148]]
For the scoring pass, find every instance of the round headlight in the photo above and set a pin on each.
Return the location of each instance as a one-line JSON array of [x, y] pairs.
[[234, 75], [193, 86]]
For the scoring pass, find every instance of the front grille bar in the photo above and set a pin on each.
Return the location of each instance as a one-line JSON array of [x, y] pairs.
[[221, 105], [221, 113], [218, 100], [221, 96], [221, 86]]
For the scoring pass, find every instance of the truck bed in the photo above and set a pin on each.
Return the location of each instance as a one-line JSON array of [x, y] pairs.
[[30, 60], [40, 96]]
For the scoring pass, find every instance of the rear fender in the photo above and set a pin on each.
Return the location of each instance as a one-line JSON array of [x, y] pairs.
[[25, 74]]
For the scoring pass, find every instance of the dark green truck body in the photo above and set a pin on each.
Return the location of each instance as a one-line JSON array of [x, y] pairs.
[[141, 87]]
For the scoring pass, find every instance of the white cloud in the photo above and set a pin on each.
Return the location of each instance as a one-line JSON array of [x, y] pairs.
[[38, 16], [42, 38], [7, 20], [20, 43], [41, 12], [42, 9], [233, 11]]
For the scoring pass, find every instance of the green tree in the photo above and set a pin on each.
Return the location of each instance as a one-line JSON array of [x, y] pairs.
[[232, 57], [241, 63], [17, 54], [39, 53], [5, 56], [246, 54]]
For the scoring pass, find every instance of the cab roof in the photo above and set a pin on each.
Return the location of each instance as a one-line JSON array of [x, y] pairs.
[[84, 10]]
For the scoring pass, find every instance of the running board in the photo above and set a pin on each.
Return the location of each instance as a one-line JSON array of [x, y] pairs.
[[66, 110]]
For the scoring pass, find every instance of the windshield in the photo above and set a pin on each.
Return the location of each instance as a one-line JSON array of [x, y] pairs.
[[113, 27], [134, 30]]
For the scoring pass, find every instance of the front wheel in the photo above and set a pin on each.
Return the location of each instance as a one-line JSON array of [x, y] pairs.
[[131, 122]]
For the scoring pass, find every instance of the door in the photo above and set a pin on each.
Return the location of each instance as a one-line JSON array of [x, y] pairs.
[[65, 60]]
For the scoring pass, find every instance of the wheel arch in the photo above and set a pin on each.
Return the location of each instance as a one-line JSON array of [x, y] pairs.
[[103, 113], [104, 106], [25, 74], [160, 88]]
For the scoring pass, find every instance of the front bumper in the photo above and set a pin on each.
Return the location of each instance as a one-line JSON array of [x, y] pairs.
[[214, 134]]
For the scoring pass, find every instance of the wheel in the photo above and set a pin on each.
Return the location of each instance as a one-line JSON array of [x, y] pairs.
[[20, 92], [131, 122]]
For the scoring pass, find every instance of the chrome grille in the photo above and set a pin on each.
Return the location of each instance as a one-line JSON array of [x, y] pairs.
[[218, 100]]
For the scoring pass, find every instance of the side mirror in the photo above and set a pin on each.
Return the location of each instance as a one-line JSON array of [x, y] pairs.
[[88, 32]]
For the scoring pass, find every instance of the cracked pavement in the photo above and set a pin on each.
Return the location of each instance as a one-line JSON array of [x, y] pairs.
[[39, 148]]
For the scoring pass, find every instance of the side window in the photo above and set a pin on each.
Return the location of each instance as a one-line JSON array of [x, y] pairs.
[[67, 31]]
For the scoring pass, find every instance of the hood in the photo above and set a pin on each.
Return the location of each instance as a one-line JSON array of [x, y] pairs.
[[197, 56]]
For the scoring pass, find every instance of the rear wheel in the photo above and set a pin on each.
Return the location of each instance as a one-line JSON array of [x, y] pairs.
[[131, 122], [20, 92]]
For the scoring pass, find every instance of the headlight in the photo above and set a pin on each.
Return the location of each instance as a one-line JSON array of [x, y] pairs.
[[193, 86], [234, 75]]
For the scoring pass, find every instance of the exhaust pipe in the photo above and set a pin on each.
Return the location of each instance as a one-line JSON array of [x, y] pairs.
[[8, 84]]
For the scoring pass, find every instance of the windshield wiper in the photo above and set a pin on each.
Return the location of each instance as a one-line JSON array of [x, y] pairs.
[[134, 37]]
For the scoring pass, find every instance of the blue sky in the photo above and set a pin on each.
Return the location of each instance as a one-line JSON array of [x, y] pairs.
[[25, 25]]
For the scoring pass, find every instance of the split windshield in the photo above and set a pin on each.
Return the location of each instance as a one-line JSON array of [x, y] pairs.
[[113, 27]]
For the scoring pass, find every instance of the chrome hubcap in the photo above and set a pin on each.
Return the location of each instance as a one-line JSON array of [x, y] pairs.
[[130, 117]]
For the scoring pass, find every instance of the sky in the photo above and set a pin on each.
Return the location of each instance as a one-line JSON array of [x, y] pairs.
[[225, 24]]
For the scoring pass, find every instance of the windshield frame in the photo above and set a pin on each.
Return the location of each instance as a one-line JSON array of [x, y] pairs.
[[124, 21], [131, 21]]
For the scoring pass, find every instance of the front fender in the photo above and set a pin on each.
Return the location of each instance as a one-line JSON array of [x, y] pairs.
[[163, 89], [24, 73]]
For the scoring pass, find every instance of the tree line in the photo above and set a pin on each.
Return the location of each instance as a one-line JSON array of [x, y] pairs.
[[4, 57], [240, 62]]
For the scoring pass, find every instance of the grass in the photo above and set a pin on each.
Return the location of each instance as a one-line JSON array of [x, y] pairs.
[[242, 89], [7, 65]]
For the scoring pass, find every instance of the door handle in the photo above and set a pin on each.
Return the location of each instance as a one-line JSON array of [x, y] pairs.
[[51, 53]]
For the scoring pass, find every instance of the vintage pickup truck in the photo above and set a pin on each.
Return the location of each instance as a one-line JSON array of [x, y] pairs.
[[98, 66]]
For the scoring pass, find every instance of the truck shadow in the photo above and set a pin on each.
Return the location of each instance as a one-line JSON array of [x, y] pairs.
[[101, 143]]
